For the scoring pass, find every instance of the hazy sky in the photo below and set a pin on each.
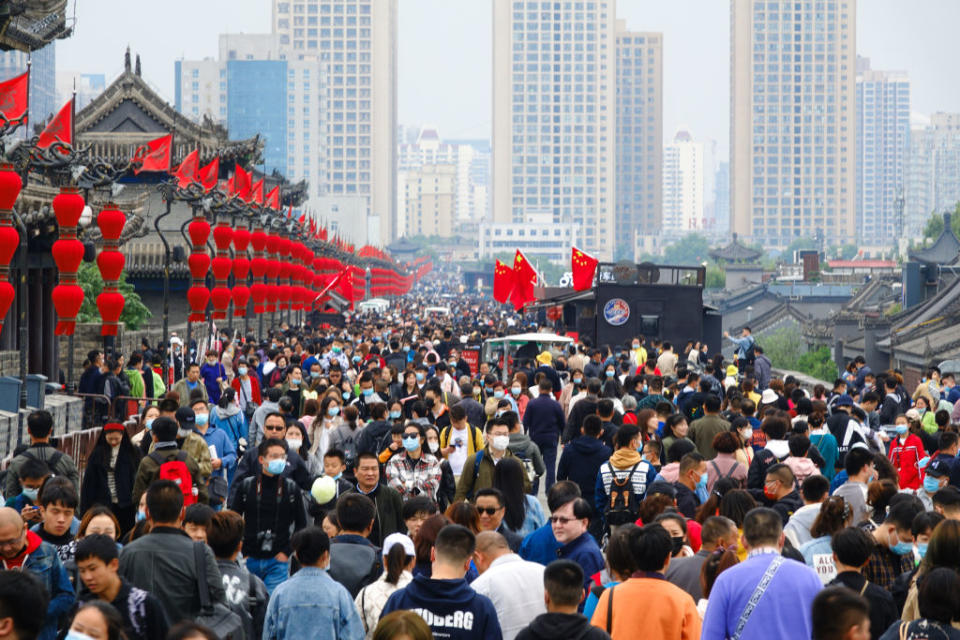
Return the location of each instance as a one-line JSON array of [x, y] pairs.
[[444, 56]]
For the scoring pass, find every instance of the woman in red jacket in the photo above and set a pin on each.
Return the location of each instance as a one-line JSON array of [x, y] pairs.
[[906, 453]]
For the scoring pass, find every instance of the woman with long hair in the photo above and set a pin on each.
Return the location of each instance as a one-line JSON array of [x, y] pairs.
[[523, 514], [835, 514], [675, 428], [573, 386], [423, 541], [97, 619], [99, 520], [111, 470], [519, 392], [715, 564], [399, 556], [735, 505], [321, 428]]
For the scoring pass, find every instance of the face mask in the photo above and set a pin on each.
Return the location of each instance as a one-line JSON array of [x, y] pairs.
[[419, 377], [500, 442], [411, 444], [294, 443], [202, 419], [577, 380], [141, 515], [901, 429], [31, 493], [212, 362], [356, 358], [644, 388], [636, 345], [276, 467], [703, 480], [515, 391], [367, 393], [931, 485], [242, 371], [902, 548], [336, 349], [921, 549], [746, 434], [676, 544], [148, 423], [771, 495], [76, 635], [314, 374], [452, 363], [332, 411], [406, 347], [609, 374], [434, 446], [394, 415], [498, 394], [346, 395], [499, 413]]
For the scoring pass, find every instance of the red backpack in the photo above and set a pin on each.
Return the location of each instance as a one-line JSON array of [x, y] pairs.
[[177, 471]]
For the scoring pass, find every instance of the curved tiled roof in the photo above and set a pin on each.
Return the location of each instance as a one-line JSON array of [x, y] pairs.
[[945, 250], [735, 252]]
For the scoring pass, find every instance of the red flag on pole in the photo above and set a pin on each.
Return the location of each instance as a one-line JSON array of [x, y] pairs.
[[273, 198], [155, 155], [13, 98], [503, 282], [584, 267], [186, 173], [241, 183], [525, 278], [60, 129], [209, 174], [256, 191]]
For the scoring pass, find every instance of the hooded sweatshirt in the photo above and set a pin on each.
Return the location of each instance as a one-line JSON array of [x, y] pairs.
[[580, 462], [451, 608], [570, 626]]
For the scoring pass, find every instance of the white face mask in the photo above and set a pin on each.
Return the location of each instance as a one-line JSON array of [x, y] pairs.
[[433, 445], [500, 443], [294, 443], [746, 434]]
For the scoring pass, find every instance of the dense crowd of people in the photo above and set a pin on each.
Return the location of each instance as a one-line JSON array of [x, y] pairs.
[[373, 481]]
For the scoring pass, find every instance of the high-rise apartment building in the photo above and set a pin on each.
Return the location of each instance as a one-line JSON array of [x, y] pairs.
[[429, 200], [683, 183], [933, 177], [721, 198], [639, 137], [255, 86], [43, 82], [792, 120], [356, 41], [554, 115], [883, 146]]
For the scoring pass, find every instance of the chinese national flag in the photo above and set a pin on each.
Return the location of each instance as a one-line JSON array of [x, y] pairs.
[[60, 129], [208, 175], [155, 155], [502, 282], [257, 191], [525, 278], [273, 198], [584, 268], [186, 173], [13, 98]]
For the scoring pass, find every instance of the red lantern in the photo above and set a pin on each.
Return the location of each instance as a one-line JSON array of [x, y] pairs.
[[67, 252], [9, 241], [198, 296], [10, 186], [110, 261], [221, 266], [222, 236]]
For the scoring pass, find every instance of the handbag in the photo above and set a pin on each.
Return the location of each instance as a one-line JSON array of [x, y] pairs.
[[216, 616], [250, 407]]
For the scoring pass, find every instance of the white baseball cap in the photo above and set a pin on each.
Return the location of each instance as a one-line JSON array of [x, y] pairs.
[[401, 539]]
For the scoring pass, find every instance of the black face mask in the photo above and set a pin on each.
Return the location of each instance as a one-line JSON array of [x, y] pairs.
[[677, 544], [429, 402]]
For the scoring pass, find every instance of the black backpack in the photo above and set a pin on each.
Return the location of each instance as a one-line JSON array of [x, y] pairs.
[[622, 505], [750, 355]]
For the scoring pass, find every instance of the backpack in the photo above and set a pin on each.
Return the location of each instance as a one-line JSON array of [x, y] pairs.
[[477, 459], [177, 471], [728, 474], [527, 465], [51, 462], [622, 505], [474, 432], [750, 354]]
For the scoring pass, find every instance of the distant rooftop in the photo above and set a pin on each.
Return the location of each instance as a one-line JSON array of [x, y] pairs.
[[736, 252], [945, 250]]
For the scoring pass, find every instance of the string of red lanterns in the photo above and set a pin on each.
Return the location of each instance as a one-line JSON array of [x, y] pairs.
[[198, 296], [110, 262], [67, 253], [10, 186]]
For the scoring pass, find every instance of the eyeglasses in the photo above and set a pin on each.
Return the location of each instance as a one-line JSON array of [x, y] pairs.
[[488, 510], [414, 434], [561, 520]]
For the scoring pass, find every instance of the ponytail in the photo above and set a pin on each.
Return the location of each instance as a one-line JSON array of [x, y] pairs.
[[396, 561]]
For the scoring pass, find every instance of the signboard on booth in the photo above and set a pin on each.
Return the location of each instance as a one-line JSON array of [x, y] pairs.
[[472, 356]]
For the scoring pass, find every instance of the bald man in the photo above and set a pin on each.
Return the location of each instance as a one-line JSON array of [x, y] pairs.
[[22, 549], [514, 585]]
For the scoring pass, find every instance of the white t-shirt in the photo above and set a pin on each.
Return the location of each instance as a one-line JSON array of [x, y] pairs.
[[459, 455]]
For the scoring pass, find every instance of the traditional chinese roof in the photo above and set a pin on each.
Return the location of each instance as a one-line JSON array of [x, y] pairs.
[[735, 252], [28, 25], [401, 246], [945, 250], [129, 113]]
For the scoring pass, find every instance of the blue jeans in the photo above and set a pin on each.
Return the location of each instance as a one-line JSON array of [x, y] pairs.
[[548, 449], [270, 570]]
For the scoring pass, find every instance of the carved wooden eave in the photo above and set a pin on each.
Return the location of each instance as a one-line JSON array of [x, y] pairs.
[[28, 25], [130, 113]]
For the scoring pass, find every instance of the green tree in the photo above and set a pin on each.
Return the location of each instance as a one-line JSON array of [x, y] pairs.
[[786, 350], [819, 364], [847, 251], [690, 251], [716, 277], [135, 313], [799, 244], [934, 226]]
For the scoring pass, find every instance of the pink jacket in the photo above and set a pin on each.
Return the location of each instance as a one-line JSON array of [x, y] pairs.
[[726, 465], [802, 468]]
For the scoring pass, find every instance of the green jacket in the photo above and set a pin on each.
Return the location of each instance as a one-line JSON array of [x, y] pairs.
[[135, 378], [469, 485]]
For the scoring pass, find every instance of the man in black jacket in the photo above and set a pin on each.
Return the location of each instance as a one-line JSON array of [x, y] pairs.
[[388, 504], [372, 435], [890, 408], [583, 408], [563, 587], [354, 561], [779, 492], [581, 459], [274, 426], [851, 551]]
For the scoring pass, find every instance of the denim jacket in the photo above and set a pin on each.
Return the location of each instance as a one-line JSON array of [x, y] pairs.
[[310, 604]]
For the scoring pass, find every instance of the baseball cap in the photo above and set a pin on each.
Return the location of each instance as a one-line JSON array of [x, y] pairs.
[[186, 417], [844, 400], [399, 539], [938, 468]]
